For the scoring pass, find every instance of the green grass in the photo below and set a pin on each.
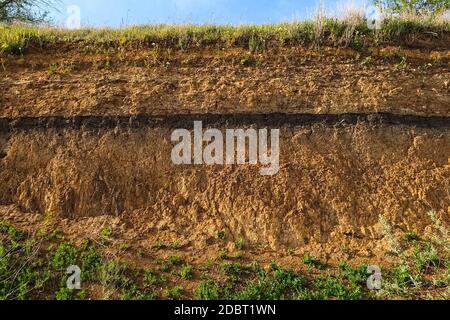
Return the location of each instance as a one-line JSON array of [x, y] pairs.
[[422, 264], [233, 270], [312, 261], [17, 39], [159, 245], [65, 256], [239, 244], [411, 236], [277, 284], [105, 232], [174, 293], [426, 257], [52, 69], [222, 255], [39, 266], [175, 245], [221, 235], [174, 260], [186, 272], [37, 269], [329, 287], [208, 290]]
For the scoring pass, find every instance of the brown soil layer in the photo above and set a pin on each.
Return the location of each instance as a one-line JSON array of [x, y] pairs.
[[166, 81], [334, 183]]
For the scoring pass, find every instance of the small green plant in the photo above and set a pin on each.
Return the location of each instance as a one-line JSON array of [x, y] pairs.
[[55, 235], [403, 64], [290, 251], [207, 290], [90, 261], [207, 265], [174, 293], [186, 272], [159, 245], [140, 253], [355, 276], [164, 267], [278, 284], [65, 256], [256, 43], [426, 258], [331, 288], [234, 270], [388, 232], [150, 278], [13, 45], [175, 245], [402, 276], [221, 235], [125, 247], [426, 66], [130, 292], [222, 255], [49, 217], [52, 69], [312, 261], [113, 277], [274, 265], [239, 244], [357, 41], [67, 294], [106, 233], [367, 61], [174, 260], [411, 236], [7, 229]]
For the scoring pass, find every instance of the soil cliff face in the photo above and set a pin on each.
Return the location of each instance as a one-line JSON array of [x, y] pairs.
[[333, 183], [336, 177]]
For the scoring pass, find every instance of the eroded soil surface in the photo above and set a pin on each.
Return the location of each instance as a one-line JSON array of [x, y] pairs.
[[333, 185], [297, 80], [336, 178]]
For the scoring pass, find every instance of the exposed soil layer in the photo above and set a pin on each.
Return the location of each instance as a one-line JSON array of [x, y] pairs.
[[85, 140], [287, 80], [334, 183]]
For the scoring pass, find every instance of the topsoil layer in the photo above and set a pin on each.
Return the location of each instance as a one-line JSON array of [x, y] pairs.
[[166, 81]]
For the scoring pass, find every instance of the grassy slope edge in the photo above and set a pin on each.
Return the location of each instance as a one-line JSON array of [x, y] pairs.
[[330, 31], [32, 266]]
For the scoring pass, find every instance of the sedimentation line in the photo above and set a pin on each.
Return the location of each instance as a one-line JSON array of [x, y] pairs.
[[273, 120]]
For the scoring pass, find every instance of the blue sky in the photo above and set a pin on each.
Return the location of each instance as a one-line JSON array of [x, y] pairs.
[[116, 13]]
